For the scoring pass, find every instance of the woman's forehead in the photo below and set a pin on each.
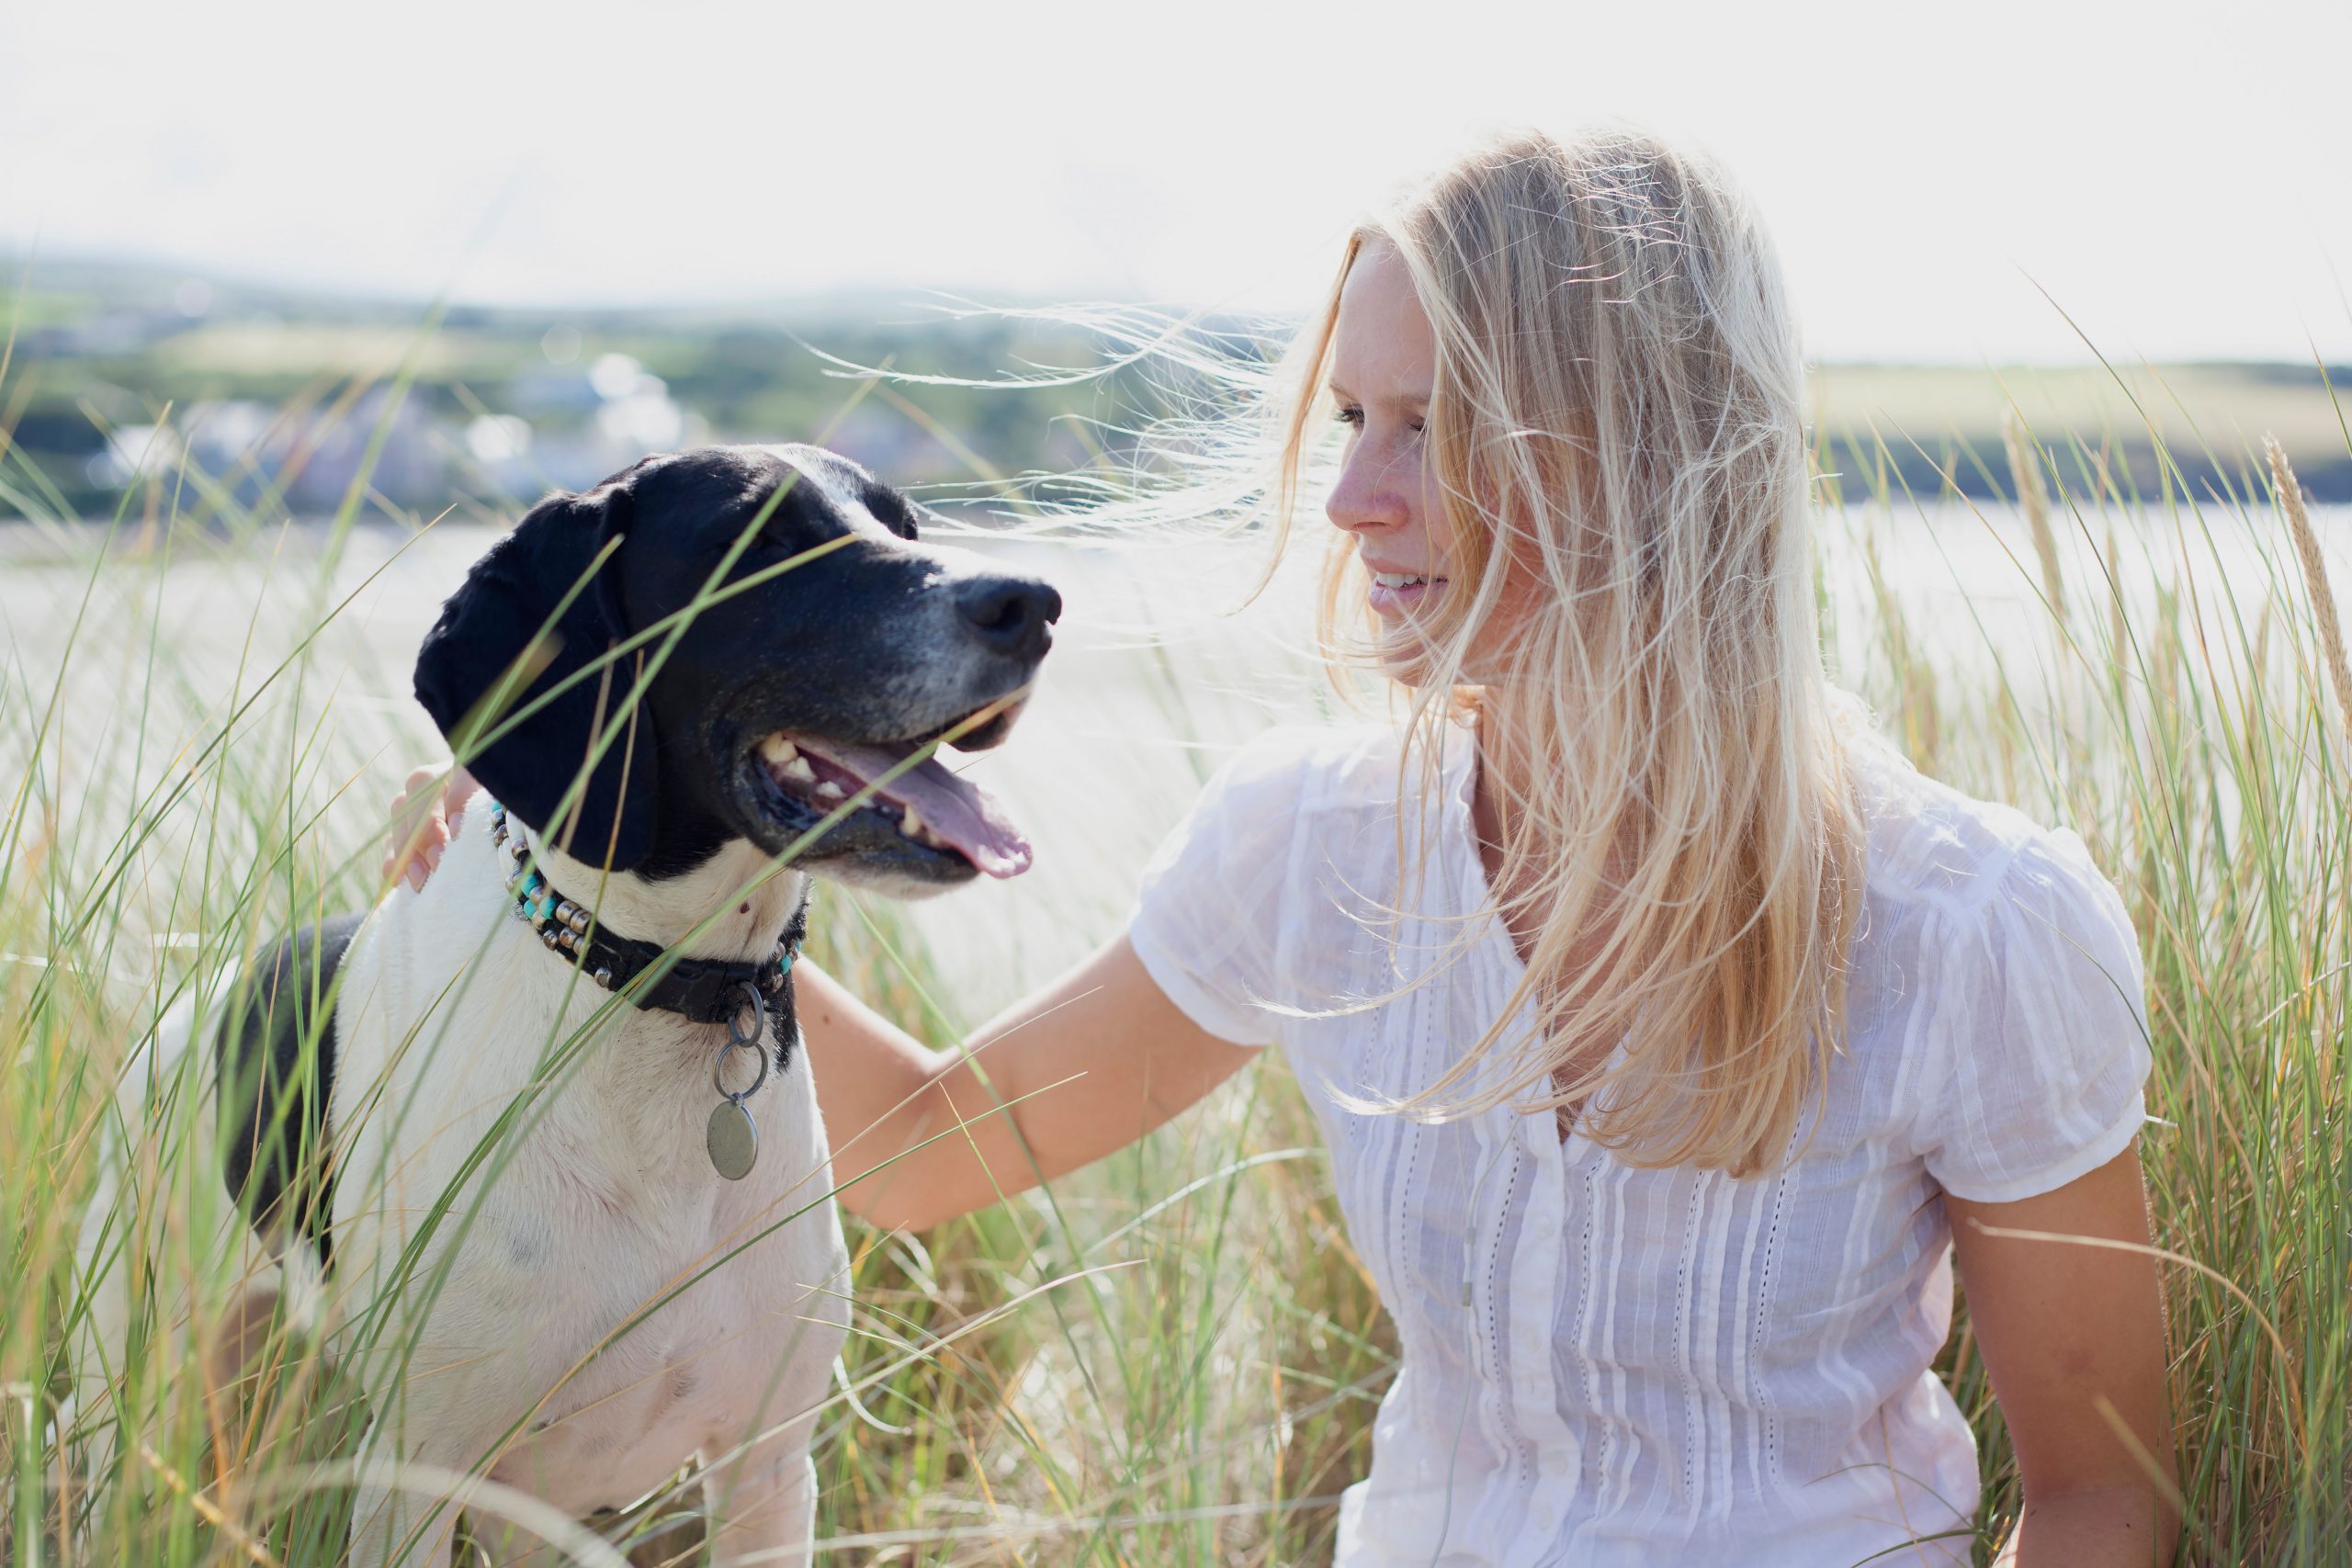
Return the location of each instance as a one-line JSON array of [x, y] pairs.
[[1382, 343]]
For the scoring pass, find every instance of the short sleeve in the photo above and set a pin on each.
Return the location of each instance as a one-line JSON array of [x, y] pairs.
[[1208, 919], [2038, 1031]]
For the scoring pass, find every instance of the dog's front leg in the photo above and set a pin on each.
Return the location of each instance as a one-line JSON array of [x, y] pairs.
[[396, 1520], [762, 1507]]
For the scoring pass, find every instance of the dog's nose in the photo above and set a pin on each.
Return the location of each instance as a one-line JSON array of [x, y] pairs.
[[1010, 614]]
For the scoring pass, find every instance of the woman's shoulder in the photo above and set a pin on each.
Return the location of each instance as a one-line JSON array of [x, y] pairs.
[[1324, 771], [1977, 894], [1996, 1002], [1932, 848]]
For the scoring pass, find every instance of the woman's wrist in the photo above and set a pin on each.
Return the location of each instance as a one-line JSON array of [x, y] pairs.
[[2103, 1527]]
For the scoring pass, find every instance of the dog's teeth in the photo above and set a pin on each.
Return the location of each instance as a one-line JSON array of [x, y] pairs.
[[798, 770], [828, 790], [910, 825], [777, 750]]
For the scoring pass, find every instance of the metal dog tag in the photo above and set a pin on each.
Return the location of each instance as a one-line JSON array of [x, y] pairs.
[[733, 1139]]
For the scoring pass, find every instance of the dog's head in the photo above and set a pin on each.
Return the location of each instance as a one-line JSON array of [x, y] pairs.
[[833, 649]]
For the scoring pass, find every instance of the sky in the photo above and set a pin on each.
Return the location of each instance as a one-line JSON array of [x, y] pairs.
[[1989, 182]]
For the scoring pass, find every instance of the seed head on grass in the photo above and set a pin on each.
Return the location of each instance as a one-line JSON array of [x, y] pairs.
[[2299, 525], [2034, 502]]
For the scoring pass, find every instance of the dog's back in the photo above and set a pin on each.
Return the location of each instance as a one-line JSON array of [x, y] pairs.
[[178, 1272], [275, 1061]]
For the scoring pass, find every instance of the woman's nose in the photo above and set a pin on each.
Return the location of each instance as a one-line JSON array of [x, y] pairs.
[[1366, 495]]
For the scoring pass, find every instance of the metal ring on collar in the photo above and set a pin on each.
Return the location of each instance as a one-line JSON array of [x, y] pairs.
[[719, 1070], [755, 1007], [740, 1038]]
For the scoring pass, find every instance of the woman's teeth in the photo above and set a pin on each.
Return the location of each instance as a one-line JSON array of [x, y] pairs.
[[1397, 580]]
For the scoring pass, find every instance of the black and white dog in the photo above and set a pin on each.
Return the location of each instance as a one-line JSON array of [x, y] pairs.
[[573, 1242]]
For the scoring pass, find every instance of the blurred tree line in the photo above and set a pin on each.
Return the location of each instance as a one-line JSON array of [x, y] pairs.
[[265, 402]]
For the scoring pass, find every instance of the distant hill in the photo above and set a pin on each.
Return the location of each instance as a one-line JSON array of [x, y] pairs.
[[118, 369]]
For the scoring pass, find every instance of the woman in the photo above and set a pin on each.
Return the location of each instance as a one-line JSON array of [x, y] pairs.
[[1669, 1035]]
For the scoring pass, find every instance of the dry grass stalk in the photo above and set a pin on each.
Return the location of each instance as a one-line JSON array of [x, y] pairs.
[[2299, 524], [2026, 474], [2119, 631], [1922, 730], [2165, 659]]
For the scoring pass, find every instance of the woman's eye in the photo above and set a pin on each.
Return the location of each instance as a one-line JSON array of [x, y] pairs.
[[1351, 417]]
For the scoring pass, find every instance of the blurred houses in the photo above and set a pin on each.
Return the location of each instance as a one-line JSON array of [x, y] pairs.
[[244, 452], [255, 404], [565, 427]]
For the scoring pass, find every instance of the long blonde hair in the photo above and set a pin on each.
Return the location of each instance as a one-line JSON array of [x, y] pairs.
[[1617, 416]]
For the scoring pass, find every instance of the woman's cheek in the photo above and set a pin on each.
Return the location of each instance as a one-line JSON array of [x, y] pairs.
[[1427, 510]]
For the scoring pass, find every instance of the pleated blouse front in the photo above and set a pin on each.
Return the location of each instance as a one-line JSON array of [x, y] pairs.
[[1606, 1364]]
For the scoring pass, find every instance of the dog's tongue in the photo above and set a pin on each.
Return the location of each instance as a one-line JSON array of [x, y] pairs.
[[963, 814]]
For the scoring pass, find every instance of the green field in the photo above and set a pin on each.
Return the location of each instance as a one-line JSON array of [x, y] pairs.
[[203, 714]]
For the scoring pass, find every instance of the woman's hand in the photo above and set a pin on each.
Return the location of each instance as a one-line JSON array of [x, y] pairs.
[[2068, 1310], [425, 816]]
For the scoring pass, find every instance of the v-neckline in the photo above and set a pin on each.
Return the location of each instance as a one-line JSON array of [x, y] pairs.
[[1477, 896]]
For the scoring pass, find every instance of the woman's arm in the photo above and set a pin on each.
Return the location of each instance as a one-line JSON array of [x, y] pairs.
[[2072, 1333], [1094, 1061]]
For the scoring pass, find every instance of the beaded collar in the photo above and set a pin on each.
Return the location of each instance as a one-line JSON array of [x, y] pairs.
[[707, 991]]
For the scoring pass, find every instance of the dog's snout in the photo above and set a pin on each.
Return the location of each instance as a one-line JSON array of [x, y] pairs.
[[1010, 614]]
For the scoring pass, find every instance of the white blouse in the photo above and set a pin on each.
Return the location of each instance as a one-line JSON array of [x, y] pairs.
[[1603, 1364]]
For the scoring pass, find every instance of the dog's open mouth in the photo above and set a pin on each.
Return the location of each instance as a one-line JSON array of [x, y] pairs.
[[929, 807]]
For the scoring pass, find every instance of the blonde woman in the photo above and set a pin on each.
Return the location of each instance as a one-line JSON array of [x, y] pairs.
[[1670, 1036]]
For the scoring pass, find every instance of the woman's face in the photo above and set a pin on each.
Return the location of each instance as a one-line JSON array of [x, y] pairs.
[[1384, 366], [1383, 370]]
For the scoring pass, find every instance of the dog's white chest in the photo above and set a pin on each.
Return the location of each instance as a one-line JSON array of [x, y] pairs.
[[608, 1307], [735, 1355]]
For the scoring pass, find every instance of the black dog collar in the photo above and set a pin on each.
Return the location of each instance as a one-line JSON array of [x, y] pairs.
[[707, 991]]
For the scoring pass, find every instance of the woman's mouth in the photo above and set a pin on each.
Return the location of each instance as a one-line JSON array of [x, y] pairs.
[[1395, 595]]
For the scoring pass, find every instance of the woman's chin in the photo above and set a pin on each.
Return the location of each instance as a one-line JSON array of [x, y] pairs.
[[1407, 661]]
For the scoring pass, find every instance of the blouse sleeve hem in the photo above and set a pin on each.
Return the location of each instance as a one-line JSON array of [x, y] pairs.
[[2111, 1141], [1236, 1025]]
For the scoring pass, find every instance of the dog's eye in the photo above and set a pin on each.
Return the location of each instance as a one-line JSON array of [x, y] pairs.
[[890, 510]]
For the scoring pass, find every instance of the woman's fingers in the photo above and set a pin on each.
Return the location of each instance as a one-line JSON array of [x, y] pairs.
[[463, 787], [425, 815], [420, 827]]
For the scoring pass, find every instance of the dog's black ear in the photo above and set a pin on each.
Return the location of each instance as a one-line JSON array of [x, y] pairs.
[[501, 645]]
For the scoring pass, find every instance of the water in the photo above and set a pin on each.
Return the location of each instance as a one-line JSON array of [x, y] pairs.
[[1151, 681]]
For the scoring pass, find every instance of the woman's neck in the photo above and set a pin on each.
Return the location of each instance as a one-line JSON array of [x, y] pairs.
[[1524, 886]]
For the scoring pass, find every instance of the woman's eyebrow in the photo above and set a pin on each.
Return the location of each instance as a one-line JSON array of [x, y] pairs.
[[1414, 400], [1411, 395]]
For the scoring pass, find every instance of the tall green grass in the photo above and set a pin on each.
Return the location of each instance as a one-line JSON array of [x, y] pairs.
[[1173, 1356]]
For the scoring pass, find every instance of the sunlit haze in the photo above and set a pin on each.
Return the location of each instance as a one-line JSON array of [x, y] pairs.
[[2175, 176]]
